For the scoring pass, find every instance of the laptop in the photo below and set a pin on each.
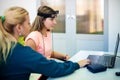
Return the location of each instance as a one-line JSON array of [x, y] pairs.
[[106, 59]]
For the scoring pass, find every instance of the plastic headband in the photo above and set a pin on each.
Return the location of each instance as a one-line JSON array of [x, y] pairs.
[[3, 18], [52, 15]]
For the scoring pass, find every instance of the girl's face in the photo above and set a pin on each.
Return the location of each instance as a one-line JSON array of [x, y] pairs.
[[50, 23]]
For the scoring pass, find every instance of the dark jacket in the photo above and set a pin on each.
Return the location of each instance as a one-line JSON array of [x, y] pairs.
[[23, 60]]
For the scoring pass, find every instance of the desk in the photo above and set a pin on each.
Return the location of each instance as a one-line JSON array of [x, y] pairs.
[[84, 74]]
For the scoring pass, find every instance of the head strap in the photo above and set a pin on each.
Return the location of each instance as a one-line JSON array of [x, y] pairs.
[[52, 15]]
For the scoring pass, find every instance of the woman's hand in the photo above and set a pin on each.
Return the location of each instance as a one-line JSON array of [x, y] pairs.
[[84, 62]]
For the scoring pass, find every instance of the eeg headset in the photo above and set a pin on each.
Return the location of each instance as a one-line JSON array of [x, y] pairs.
[[52, 15]]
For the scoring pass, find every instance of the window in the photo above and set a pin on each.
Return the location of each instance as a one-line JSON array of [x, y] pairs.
[[90, 16]]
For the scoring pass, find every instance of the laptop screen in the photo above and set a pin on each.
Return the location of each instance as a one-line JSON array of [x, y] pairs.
[[117, 45]]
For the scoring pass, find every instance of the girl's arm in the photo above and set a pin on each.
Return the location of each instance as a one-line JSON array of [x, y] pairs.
[[60, 56], [31, 44]]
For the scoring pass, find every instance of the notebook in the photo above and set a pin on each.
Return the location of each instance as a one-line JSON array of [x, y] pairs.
[[106, 59]]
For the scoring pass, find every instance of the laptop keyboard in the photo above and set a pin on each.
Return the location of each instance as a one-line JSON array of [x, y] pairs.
[[107, 61]]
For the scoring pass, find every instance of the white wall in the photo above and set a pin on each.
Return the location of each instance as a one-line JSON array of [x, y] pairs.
[[114, 23], [30, 5]]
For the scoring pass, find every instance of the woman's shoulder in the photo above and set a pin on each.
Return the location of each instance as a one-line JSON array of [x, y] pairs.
[[23, 49], [24, 53]]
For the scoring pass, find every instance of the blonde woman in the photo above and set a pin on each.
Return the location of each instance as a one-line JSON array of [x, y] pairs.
[[17, 62]]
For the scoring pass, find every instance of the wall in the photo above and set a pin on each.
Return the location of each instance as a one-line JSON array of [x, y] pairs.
[[114, 23], [30, 5], [112, 19]]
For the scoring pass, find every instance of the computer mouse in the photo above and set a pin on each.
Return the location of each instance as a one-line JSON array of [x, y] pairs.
[[117, 73]]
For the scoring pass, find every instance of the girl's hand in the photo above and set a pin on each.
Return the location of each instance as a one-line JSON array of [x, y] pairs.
[[66, 57]]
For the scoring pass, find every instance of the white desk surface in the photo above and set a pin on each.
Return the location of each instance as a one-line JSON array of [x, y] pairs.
[[84, 74]]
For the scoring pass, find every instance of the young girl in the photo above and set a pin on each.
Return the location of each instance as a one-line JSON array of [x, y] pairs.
[[40, 38]]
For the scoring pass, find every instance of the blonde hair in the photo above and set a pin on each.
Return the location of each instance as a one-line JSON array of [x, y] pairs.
[[38, 23], [13, 16]]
